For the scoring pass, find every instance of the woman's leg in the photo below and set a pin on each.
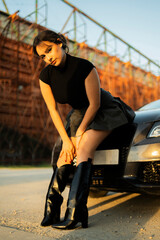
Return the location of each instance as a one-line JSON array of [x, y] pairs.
[[89, 143], [57, 184], [54, 198], [77, 201]]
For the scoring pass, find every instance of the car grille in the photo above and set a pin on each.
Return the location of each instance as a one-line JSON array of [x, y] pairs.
[[150, 172]]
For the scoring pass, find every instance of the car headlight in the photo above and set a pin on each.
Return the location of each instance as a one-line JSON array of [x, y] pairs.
[[155, 131]]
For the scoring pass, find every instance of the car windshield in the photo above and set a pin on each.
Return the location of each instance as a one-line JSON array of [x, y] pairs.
[[150, 106]]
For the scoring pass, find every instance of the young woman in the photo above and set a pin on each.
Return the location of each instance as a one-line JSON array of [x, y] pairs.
[[95, 113]]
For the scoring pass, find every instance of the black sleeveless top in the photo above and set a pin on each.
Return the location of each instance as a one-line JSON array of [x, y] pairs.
[[68, 83]]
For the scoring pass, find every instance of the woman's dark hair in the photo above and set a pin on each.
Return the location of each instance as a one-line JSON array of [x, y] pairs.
[[50, 36]]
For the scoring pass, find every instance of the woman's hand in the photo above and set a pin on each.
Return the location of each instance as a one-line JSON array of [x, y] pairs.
[[76, 140], [68, 150], [67, 154]]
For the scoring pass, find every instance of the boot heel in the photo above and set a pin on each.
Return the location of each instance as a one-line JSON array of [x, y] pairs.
[[85, 224]]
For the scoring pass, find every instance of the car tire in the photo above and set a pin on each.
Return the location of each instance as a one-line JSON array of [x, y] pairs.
[[96, 193]]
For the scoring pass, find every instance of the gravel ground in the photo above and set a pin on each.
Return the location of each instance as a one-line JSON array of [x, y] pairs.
[[117, 216]]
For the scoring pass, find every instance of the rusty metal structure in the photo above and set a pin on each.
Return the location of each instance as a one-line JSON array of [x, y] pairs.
[[27, 133]]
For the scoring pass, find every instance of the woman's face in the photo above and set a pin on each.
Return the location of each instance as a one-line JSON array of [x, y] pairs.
[[51, 53]]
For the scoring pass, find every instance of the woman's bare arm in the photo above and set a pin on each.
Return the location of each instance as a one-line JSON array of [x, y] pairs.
[[92, 85], [54, 112]]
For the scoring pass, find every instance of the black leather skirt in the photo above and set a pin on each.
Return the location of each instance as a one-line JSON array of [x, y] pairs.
[[112, 113]]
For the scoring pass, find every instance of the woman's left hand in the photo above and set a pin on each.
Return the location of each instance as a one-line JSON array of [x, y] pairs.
[[77, 139]]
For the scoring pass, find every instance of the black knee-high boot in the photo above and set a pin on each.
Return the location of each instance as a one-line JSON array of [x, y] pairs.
[[54, 198], [77, 201]]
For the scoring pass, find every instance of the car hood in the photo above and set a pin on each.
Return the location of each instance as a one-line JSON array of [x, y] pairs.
[[147, 116]]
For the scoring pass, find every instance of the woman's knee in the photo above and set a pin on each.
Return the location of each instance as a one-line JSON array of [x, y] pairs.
[[86, 145], [85, 149], [83, 154]]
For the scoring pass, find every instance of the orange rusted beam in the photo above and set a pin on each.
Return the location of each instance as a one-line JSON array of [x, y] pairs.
[[13, 17]]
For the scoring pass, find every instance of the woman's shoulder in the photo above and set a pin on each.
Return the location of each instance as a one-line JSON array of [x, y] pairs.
[[83, 66], [82, 63], [80, 60]]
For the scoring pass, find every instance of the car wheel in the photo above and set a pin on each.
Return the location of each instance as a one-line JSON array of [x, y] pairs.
[[96, 193]]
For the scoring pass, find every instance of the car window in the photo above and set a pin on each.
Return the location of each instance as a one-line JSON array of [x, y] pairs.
[[149, 106]]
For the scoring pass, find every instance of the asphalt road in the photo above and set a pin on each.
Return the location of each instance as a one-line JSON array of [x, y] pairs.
[[117, 216]]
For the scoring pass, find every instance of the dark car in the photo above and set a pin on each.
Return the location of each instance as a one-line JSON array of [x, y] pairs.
[[129, 159]]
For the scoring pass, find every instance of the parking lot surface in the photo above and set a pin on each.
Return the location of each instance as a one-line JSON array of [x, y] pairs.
[[117, 216]]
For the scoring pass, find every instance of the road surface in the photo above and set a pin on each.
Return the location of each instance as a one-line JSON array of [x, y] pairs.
[[117, 216]]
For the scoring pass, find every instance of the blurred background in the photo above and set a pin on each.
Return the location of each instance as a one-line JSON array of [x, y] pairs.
[[121, 38]]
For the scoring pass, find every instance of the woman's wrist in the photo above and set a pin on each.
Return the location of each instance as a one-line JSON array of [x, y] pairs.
[[66, 139], [79, 133]]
